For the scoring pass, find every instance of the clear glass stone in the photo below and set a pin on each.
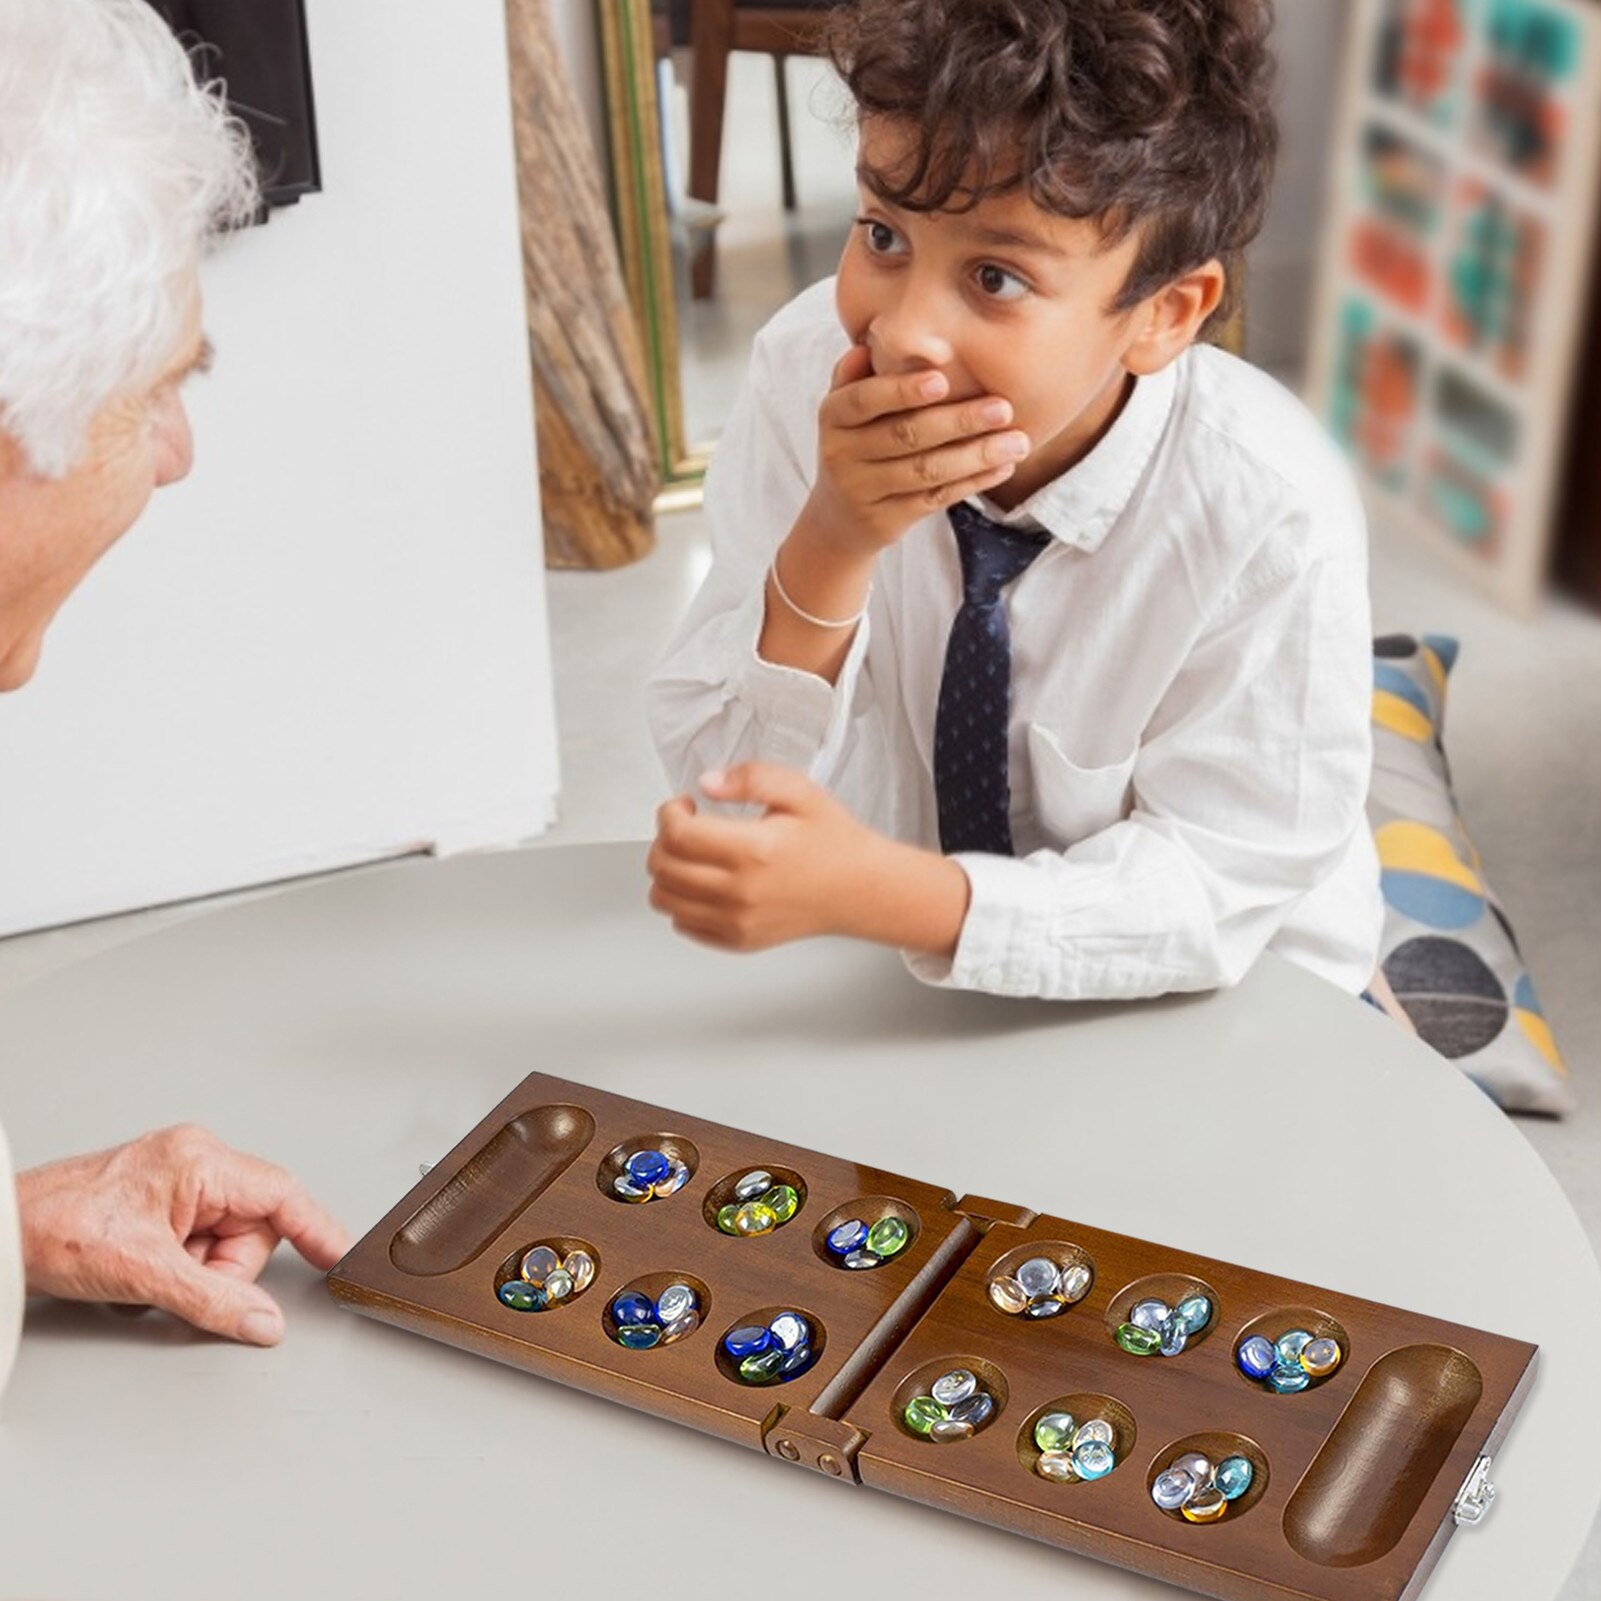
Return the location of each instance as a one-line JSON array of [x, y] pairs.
[[953, 1387]]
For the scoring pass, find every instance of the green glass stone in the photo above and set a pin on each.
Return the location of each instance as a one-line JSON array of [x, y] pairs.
[[521, 1297], [639, 1336], [782, 1202], [922, 1413], [887, 1236], [725, 1218], [765, 1368], [1054, 1431], [1137, 1341]]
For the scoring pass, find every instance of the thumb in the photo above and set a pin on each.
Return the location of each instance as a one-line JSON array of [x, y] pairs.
[[779, 789], [213, 1301], [855, 365]]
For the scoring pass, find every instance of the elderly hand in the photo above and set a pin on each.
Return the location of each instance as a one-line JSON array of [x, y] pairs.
[[805, 867], [175, 1220]]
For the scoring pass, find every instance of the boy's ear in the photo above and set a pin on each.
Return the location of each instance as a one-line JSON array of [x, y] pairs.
[[1171, 320]]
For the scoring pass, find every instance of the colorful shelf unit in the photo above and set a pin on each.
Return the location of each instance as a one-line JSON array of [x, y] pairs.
[[1458, 266]]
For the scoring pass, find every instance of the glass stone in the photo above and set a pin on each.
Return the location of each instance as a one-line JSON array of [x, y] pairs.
[[677, 1178], [1288, 1381], [1094, 1429], [922, 1413], [1057, 1465], [796, 1361], [538, 1263], [1194, 1312], [677, 1329], [888, 1236], [1054, 1432], [625, 1187], [1319, 1358], [1046, 1306], [1075, 1283], [753, 1218], [948, 1430], [1197, 1465], [558, 1284], [520, 1297], [1174, 1335], [782, 1201], [1172, 1489], [1008, 1295], [581, 1265], [753, 1185], [753, 1339], [1137, 1341], [1093, 1460], [725, 1218], [640, 1336], [1205, 1506], [1039, 1276], [632, 1307], [674, 1302], [1234, 1475], [861, 1259], [976, 1409], [790, 1329], [648, 1167], [1150, 1315], [848, 1236], [762, 1369], [1256, 1357], [952, 1387], [1290, 1346]]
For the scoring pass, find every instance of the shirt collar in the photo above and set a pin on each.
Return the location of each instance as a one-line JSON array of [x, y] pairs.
[[1080, 506]]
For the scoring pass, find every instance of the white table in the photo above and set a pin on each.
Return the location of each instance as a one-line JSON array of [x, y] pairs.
[[359, 1026]]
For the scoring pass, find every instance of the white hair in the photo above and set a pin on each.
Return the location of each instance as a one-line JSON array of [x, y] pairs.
[[116, 166]]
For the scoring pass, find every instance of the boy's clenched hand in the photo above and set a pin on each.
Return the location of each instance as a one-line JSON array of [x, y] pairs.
[[805, 867], [891, 450]]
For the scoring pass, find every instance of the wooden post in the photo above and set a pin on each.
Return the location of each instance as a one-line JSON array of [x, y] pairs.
[[597, 467]]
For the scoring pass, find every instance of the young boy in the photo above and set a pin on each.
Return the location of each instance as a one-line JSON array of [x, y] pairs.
[[1036, 639]]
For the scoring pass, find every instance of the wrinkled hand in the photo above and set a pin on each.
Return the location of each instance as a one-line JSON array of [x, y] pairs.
[[744, 884], [175, 1220], [891, 449]]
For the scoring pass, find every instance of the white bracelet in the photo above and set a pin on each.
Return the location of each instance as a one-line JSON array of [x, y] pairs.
[[806, 616]]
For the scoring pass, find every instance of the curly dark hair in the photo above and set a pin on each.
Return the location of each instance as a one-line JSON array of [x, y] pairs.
[[1147, 116]]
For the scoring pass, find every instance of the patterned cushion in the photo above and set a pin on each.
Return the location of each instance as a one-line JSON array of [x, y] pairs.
[[1449, 952]]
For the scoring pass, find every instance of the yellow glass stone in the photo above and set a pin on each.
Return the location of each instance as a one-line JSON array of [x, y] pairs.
[[754, 1218], [725, 1218], [1205, 1506], [782, 1201], [1319, 1358]]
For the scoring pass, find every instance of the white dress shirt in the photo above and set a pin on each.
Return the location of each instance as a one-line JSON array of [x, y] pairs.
[[10, 1266], [1191, 683]]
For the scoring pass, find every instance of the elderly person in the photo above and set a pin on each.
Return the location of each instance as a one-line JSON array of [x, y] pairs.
[[114, 169]]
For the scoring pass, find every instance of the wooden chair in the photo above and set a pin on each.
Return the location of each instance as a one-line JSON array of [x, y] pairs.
[[716, 29]]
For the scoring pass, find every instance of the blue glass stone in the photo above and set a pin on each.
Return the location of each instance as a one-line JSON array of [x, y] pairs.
[[1286, 1381], [648, 1167], [1256, 1357], [1172, 1489], [847, 1237], [1290, 1346], [1233, 1476], [797, 1361], [632, 1307], [1195, 1313], [1094, 1459], [977, 1409], [639, 1336], [791, 1330], [521, 1297], [751, 1340], [1174, 1335], [674, 1302]]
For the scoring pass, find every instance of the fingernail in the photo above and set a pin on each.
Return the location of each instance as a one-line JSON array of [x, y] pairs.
[[932, 387], [715, 779], [262, 1328], [995, 411], [1015, 446]]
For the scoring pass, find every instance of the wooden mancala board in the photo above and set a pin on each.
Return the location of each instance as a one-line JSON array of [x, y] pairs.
[[1355, 1478]]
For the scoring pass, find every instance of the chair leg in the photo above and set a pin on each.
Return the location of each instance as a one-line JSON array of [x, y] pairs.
[[712, 37], [786, 149]]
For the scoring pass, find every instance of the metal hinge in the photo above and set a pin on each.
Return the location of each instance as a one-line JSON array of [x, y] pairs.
[[1474, 1498]]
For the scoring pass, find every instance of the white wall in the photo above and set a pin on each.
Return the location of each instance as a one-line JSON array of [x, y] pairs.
[[330, 644]]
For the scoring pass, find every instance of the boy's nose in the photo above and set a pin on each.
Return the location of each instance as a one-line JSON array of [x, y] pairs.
[[905, 338]]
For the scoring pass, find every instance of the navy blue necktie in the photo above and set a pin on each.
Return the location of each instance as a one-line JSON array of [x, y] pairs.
[[971, 782]]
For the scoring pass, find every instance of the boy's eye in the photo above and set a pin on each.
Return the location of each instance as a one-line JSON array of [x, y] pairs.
[[882, 240], [999, 284]]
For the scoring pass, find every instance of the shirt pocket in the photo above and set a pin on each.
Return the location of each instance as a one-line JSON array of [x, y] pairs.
[[1072, 802]]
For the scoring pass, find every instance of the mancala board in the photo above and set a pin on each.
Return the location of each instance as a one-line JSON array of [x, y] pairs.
[[1356, 1479]]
